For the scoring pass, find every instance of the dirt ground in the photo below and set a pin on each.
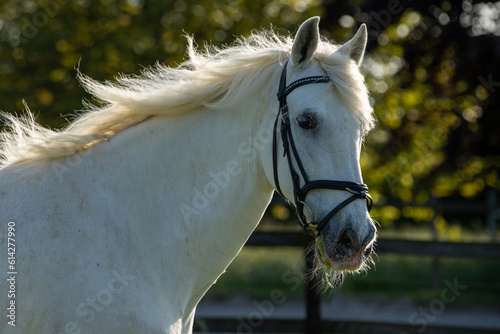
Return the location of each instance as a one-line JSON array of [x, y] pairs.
[[438, 312]]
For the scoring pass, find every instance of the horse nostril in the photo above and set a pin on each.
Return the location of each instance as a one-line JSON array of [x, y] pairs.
[[346, 242]]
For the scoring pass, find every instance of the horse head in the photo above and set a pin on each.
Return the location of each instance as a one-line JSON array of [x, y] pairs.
[[321, 115]]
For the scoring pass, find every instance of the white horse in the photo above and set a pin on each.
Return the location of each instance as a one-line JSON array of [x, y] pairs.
[[122, 221]]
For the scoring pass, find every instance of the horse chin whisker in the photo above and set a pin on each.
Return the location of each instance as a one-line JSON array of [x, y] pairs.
[[326, 278], [375, 222]]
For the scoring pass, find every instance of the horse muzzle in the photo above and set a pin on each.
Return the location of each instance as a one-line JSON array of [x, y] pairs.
[[348, 251]]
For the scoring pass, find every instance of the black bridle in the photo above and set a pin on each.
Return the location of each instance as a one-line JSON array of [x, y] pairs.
[[358, 190]]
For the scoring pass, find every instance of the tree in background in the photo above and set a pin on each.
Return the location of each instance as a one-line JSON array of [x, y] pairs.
[[43, 41], [432, 68]]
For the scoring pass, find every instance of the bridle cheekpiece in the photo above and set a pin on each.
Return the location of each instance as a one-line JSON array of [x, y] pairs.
[[358, 190]]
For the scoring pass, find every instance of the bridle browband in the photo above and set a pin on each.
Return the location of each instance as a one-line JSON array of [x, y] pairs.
[[358, 190]]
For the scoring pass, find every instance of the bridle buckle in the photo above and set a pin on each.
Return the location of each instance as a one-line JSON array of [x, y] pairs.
[[360, 193]]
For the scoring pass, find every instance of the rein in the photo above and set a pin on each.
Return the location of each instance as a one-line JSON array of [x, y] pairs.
[[358, 190]]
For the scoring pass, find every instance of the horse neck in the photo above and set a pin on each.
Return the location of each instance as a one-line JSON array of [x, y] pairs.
[[209, 194]]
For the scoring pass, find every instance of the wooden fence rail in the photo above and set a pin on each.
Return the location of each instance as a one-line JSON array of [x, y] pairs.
[[313, 323], [490, 208], [407, 247]]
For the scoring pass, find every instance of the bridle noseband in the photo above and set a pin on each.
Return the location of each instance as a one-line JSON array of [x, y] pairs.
[[358, 190]]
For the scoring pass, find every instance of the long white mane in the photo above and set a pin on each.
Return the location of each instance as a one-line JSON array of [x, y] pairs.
[[211, 78]]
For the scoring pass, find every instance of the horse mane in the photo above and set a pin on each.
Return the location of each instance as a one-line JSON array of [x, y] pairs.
[[211, 78]]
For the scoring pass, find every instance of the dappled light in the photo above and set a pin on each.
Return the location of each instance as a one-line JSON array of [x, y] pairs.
[[436, 114], [431, 162], [482, 18]]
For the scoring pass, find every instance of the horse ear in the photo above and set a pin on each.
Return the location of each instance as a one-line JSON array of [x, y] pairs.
[[306, 42], [355, 48]]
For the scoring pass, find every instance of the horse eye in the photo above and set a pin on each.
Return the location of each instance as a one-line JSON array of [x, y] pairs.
[[307, 121]]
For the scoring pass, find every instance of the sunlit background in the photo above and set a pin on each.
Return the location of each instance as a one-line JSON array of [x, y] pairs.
[[432, 68]]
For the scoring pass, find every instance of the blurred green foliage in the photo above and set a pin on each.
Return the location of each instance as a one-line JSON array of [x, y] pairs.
[[43, 41], [432, 68]]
